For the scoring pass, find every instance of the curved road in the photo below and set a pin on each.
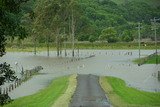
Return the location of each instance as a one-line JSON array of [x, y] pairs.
[[89, 93]]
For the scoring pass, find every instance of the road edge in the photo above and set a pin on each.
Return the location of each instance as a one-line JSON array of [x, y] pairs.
[[65, 98], [113, 98]]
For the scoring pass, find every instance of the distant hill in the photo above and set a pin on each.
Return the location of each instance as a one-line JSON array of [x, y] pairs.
[[94, 16], [150, 2]]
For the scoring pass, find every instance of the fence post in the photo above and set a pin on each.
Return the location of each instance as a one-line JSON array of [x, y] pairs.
[[10, 88], [159, 75], [15, 84], [6, 90]]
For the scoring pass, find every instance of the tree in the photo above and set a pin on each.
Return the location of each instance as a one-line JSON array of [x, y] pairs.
[[127, 36], [109, 34], [10, 21], [92, 38], [52, 16], [6, 73], [9, 26]]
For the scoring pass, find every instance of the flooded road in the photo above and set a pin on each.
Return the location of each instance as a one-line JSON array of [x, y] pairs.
[[117, 63]]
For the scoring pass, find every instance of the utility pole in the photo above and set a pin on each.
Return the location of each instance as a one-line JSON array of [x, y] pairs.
[[139, 40], [73, 28], [65, 40], [47, 45], [35, 41], [155, 36]]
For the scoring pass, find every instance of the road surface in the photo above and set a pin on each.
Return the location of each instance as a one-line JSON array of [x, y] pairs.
[[89, 93]]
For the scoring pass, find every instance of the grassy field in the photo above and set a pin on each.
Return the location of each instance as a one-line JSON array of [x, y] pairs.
[[45, 97], [28, 47], [122, 96], [150, 60]]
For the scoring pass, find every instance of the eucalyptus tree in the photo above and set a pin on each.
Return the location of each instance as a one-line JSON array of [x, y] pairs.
[[52, 15], [75, 16]]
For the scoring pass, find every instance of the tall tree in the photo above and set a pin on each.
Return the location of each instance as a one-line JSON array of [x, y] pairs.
[[10, 21], [109, 34], [52, 15], [9, 26]]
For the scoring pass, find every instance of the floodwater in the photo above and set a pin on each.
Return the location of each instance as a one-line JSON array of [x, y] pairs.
[[115, 63]]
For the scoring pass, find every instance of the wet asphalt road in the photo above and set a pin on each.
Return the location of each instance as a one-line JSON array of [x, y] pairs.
[[89, 93]]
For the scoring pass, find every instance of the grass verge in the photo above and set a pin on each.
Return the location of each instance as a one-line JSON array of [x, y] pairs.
[[64, 99], [45, 97], [122, 96]]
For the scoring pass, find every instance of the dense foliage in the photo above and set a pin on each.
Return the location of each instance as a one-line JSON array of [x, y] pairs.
[[10, 26], [94, 16], [6, 74], [11, 13]]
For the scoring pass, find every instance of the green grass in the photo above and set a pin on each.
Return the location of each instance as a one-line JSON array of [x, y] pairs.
[[150, 60], [45, 97], [29, 47], [133, 96]]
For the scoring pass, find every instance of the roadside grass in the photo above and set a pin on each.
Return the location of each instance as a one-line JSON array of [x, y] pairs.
[[45, 97], [65, 99], [122, 96], [150, 60]]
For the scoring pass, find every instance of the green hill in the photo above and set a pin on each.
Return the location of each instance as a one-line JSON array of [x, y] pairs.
[[94, 16], [150, 2]]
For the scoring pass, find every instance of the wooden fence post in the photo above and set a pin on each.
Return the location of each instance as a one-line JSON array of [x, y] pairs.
[[159, 75], [6, 90]]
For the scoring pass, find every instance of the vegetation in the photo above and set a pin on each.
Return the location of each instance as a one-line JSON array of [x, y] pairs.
[[149, 2], [109, 35], [121, 95], [6, 74], [10, 12], [45, 97], [148, 60], [65, 99], [28, 47], [10, 26], [90, 19]]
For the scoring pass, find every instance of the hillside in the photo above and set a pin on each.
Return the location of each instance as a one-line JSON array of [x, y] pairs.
[[150, 2], [92, 18]]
